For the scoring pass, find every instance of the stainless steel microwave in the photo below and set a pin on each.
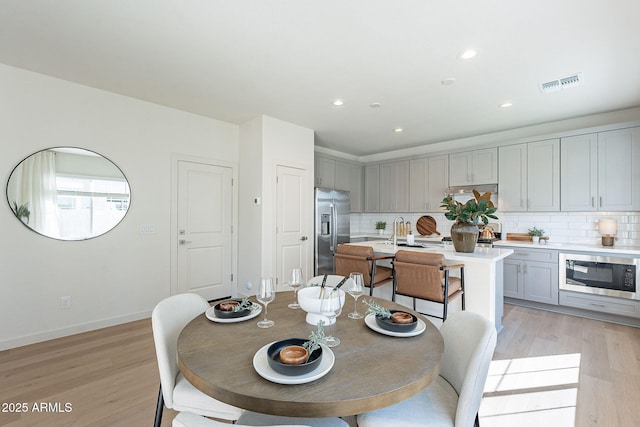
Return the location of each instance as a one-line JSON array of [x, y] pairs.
[[602, 275]]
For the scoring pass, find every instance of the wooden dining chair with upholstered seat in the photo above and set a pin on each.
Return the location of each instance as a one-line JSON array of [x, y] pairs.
[[353, 258], [426, 276], [453, 398]]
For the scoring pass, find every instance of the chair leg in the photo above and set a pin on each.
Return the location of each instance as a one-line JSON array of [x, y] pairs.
[[445, 297], [462, 286], [373, 277], [159, 409]]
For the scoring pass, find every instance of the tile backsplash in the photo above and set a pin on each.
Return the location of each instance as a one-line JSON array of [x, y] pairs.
[[561, 227]]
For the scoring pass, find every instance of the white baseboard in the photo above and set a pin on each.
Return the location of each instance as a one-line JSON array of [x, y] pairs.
[[71, 330]]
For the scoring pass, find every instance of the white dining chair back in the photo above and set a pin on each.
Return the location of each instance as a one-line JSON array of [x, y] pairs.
[[189, 419], [453, 398], [469, 343], [168, 319]]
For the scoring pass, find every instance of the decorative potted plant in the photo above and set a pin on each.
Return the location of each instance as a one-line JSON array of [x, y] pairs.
[[22, 211], [381, 226], [464, 232], [535, 234]]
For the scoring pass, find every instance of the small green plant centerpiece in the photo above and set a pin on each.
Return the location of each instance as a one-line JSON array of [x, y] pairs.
[[535, 234], [22, 211], [381, 226], [233, 308], [465, 231], [391, 320], [297, 356]]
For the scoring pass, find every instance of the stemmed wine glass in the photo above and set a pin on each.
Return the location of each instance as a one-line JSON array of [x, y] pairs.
[[355, 289], [331, 307], [266, 293], [295, 283]]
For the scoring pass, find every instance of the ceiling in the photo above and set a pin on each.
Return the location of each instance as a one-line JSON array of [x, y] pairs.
[[289, 59]]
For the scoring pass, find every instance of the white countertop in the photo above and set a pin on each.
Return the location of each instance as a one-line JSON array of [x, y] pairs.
[[483, 255], [575, 247]]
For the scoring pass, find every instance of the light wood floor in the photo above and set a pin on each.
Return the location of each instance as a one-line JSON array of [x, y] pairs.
[[547, 366]]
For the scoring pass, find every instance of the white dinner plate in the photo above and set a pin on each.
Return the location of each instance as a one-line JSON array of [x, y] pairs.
[[255, 310], [261, 365], [370, 321]]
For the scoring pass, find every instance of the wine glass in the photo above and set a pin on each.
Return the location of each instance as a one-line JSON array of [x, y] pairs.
[[331, 307], [355, 289], [266, 293], [295, 283]]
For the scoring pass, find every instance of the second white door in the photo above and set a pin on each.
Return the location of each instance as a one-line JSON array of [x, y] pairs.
[[293, 223]]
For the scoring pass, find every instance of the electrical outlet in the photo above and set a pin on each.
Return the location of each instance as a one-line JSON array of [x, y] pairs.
[[65, 302]]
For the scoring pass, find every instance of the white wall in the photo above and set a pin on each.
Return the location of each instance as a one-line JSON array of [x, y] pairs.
[[119, 276], [265, 143]]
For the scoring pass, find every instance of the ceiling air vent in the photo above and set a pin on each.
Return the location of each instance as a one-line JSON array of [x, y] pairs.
[[563, 83]]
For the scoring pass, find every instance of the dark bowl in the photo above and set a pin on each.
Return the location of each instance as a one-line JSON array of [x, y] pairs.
[[273, 356], [389, 325], [224, 314]]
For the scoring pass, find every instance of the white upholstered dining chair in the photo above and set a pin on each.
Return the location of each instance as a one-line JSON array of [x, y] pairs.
[[168, 319], [453, 398], [189, 419]]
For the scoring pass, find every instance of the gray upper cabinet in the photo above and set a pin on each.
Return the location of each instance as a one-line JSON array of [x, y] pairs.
[[349, 178], [543, 176], [601, 171], [394, 186], [619, 170], [325, 172], [529, 177], [473, 167], [372, 188], [579, 172], [428, 182]]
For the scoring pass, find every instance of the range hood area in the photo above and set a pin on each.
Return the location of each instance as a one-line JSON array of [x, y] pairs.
[[465, 192]]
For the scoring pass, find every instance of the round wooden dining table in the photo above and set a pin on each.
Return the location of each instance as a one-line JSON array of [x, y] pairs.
[[371, 370]]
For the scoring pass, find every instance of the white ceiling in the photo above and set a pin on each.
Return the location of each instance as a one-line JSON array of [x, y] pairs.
[[233, 60]]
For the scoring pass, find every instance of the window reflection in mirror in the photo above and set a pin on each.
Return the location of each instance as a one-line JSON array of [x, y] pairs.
[[68, 193]]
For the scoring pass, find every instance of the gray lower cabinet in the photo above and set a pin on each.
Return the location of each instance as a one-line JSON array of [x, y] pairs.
[[532, 275], [618, 306]]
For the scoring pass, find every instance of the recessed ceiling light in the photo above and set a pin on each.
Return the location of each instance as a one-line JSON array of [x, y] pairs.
[[448, 81], [338, 102], [375, 105], [467, 54], [398, 130], [506, 104]]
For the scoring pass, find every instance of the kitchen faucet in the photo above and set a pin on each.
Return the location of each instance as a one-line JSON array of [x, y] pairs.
[[395, 229]]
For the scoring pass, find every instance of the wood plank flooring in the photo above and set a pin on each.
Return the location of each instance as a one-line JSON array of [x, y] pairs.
[[547, 366]]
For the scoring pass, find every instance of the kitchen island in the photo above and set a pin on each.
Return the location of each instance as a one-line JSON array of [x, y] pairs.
[[483, 274]]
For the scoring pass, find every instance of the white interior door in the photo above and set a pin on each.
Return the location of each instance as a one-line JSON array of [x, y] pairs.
[[204, 229], [292, 223]]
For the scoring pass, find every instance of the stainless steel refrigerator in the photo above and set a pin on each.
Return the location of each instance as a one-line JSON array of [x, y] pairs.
[[332, 227]]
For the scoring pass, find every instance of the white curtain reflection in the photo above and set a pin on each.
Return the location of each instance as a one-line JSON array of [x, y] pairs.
[[34, 184]]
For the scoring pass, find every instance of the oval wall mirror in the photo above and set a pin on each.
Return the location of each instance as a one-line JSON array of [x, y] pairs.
[[68, 193]]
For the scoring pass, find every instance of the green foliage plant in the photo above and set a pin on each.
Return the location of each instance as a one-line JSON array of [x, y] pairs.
[[480, 208]]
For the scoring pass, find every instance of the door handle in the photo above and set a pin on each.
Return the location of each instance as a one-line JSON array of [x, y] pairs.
[[303, 238], [184, 242]]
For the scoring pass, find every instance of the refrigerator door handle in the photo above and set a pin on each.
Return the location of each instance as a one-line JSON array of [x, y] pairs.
[[333, 237]]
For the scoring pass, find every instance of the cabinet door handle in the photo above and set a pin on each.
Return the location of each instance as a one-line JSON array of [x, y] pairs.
[[593, 202], [597, 305], [600, 201]]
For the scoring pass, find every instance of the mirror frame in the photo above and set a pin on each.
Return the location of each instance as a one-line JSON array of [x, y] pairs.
[[15, 210]]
